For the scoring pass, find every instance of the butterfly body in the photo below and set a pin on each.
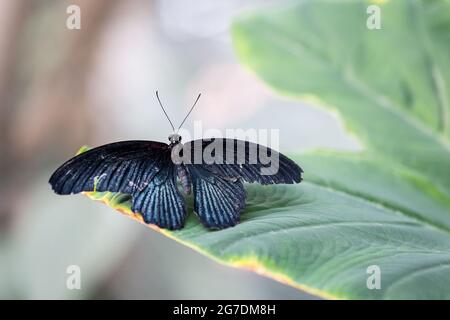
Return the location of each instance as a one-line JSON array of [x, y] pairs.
[[184, 178]]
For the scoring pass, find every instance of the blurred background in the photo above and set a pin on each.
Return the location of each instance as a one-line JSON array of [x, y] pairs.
[[61, 88]]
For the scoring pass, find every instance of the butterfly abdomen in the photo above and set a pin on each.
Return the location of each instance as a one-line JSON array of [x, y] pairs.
[[184, 178]]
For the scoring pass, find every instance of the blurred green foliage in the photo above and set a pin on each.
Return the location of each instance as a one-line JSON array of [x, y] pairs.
[[391, 88]]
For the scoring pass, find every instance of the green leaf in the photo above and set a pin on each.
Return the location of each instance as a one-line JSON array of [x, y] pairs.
[[391, 89], [378, 181], [322, 241], [390, 86], [387, 206]]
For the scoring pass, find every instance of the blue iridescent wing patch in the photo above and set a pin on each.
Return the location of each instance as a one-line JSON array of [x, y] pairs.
[[218, 200], [160, 202]]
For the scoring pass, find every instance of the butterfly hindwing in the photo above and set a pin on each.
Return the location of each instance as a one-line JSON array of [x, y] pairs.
[[218, 200], [238, 158], [160, 202]]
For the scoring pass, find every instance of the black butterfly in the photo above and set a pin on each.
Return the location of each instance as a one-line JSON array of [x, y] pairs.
[[148, 171]]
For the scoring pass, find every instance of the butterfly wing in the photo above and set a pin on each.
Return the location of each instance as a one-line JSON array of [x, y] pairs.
[[219, 194], [218, 200], [116, 167], [237, 158], [142, 169]]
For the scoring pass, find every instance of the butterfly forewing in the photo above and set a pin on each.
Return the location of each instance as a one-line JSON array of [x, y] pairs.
[[115, 167], [237, 158]]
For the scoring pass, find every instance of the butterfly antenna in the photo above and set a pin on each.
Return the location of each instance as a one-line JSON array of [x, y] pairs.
[[192, 108], [171, 124]]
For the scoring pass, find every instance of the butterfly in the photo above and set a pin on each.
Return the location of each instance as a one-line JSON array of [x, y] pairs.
[[148, 171]]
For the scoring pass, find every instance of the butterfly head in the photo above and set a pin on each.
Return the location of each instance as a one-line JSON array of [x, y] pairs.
[[174, 138]]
